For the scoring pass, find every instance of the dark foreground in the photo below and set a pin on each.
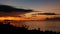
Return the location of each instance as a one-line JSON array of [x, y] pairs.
[[9, 28]]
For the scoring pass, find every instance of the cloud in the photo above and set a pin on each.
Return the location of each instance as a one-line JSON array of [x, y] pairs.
[[9, 10], [55, 18]]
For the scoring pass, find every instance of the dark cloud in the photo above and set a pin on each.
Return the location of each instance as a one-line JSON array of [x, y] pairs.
[[55, 18], [9, 10], [46, 14], [50, 13]]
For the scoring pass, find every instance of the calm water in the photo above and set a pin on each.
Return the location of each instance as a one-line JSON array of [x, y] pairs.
[[43, 25]]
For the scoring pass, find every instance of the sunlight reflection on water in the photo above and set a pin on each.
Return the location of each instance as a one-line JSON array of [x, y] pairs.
[[49, 25], [43, 25]]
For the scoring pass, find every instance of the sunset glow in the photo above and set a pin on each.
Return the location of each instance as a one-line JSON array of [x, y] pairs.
[[20, 18], [41, 17], [8, 18], [30, 15]]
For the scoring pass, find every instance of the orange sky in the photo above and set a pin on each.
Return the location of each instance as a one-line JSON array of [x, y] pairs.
[[41, 17], [20, 18]]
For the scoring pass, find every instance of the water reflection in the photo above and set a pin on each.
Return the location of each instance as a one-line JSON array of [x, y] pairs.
[[43, 25]]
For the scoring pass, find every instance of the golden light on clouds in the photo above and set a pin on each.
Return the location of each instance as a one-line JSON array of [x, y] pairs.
[[51, 8]]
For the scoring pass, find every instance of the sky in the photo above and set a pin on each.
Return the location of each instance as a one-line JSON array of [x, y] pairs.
[[37, 5]]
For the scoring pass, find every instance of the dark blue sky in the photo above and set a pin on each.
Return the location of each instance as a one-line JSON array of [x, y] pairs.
[[38, 5]]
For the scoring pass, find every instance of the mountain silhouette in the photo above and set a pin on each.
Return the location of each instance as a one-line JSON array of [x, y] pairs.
[[7, 8]]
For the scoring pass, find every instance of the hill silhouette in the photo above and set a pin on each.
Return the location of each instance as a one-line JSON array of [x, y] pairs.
[[7, 8], [10, 28]]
